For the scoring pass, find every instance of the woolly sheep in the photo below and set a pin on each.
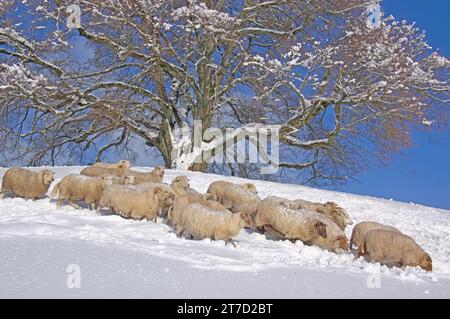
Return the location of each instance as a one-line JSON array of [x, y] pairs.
[[75, 188], [202, 222], [155, 176], [120, 164], [98, 171], [329, 209], [135, 204], [309, 227], [392, 249], [361, 229], [236, 197], [181, 202], [26, 184]]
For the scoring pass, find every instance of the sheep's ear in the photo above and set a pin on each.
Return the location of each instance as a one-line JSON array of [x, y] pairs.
[[321, 228]]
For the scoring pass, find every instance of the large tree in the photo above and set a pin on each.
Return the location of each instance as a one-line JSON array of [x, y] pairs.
[[341, 91]]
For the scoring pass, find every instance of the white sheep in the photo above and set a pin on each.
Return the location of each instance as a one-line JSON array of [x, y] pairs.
[[236, 197], [203, 222], [135, 204], [155, 176], [75, 188], [309, 227], [120, 164], [394, 249], [329, 209], [25, 183], [361, 229]]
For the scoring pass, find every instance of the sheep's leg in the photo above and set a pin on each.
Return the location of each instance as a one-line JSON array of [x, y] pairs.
[[2, 195], [231, 241], [76, 206], [180, 230], [276, 235]]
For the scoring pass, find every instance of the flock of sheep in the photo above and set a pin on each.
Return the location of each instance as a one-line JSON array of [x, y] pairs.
[[219, 214]]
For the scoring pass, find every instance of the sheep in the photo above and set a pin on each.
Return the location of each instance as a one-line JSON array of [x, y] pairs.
[[26, 184], [135, 204], [394, 249], [156, 176], [361, 229], [329, 209], [98, 171], [309, 227], [80, 188], [202, 222], [120, 164], [236, 197], [181, 202]]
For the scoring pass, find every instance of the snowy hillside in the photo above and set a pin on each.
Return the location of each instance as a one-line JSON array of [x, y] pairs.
[[125, 258]]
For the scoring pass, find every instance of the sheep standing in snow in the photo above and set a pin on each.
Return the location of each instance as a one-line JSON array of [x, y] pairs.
[[236, 197], [202, 222], [309, 227], [394, 249], [155, 176], [75, 188], [329, 209], [181, 202], [361, 229], [26, 184], [135, 204], [122, 164]]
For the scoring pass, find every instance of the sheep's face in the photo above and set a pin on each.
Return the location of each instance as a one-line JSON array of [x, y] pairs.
[[163, 196], [129, 180], [158, 171], [209, 197], [321, 229], [251, 188], [106, 181], [124, 164], [342, 243], [181, 182], [47, 177], [426, 263], [246, 221]]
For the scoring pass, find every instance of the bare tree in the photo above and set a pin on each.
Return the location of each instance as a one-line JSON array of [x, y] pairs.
[[341, 92]]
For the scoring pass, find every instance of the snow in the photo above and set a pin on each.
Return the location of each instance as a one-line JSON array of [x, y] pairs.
[[125, 258]]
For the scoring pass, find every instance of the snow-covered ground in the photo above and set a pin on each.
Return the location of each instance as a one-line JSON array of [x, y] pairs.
[[122, 258]]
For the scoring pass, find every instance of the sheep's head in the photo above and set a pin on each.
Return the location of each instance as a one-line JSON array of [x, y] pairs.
[[129, 180], [250, 187], [210, 197], [321, 229], [246, 221], [47, 177], [342, 243], [426, 263], [159, 172], [163, 196], [124, 164], [181, 182], [106, 181]]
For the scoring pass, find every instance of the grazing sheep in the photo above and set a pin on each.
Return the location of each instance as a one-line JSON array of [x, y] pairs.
[[329, 209], [155, 176], [309, 227], [236, 197], [75, 188], [361, 229], [135, 204], [120, 164], [26, 184], [392, 249], [203, 222]]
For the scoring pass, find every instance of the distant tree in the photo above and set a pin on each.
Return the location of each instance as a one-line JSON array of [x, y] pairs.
[[343, 92]]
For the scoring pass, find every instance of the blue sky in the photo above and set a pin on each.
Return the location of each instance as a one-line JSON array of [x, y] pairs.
[[422, 173]]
